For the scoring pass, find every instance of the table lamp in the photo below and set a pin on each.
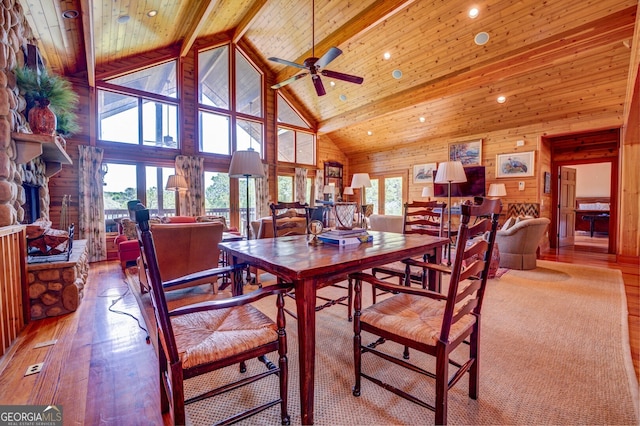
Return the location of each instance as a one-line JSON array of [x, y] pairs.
[[362, 181], [450, 172], [427, 192], [176, 183], [497, 190], [246, 164], [347, 191]]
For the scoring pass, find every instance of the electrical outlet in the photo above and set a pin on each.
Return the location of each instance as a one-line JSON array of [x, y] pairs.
[[521, 186], [520, 143], [33, 369]]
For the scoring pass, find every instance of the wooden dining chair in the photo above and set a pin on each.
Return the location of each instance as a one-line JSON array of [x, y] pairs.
[[419, 217], [430, 322], [286, 221], [207, 336]]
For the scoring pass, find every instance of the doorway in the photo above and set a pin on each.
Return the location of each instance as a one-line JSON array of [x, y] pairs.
[[594, 150]]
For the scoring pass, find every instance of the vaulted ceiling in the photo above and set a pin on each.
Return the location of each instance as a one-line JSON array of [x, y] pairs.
[[552, 60]]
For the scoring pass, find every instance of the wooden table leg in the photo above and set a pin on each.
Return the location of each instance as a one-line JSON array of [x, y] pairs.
[[434, 277], [305, 303]]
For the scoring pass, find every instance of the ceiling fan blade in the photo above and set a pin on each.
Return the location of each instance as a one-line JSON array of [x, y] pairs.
[[341, 76], [289, 80], [317, 83], [289, 63], [331, 54]]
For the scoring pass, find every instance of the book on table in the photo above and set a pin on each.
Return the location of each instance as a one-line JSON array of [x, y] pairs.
[[339, 237]]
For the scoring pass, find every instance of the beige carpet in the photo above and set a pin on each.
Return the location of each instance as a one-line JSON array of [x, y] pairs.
[[554, 350]]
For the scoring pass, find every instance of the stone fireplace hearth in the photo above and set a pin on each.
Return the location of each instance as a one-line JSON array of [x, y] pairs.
[[56, 288]]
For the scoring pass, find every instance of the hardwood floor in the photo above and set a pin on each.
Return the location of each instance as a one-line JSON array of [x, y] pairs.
[[102, 371]]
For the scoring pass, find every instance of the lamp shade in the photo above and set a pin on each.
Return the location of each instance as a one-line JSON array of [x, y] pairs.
[[348, 190], [427, 191], [361, 179], [246, 164], [329, 189], [176, 182], [450, 171], [497, 190]]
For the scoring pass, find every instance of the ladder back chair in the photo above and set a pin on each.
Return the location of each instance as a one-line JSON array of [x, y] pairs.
[[430, 322], [419, 217], [283, 224], [207, 336]]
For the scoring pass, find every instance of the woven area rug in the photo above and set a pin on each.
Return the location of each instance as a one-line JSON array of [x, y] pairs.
[[554, 350]]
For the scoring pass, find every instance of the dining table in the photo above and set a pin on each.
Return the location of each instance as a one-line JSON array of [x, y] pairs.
[[310, 267]]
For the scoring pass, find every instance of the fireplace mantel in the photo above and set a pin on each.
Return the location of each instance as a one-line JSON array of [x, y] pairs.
[[30, 146]]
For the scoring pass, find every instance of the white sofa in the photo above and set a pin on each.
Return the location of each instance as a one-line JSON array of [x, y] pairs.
[[386, 223]]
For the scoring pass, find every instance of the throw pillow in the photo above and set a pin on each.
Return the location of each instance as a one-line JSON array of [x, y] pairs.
[[219, 219], [507, 224], [129, 229]]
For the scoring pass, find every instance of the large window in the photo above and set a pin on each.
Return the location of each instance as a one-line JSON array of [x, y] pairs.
[[228, 124], [119, 187], [159, 201], [296, 141], [386, 194], [140, 107], [285, 189], [216, 194]]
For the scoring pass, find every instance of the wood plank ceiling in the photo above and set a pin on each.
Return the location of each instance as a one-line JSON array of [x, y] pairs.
[[553, 60]]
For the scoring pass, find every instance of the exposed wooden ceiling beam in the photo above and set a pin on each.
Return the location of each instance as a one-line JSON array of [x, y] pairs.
[[199, 20], [608, 30], [88, 36], [247, 20], [364, 21]]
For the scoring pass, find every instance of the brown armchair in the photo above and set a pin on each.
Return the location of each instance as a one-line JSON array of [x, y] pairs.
[[186, 248], [203, 337]]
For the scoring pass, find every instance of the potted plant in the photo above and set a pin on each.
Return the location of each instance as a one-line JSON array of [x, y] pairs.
[[43, 92]]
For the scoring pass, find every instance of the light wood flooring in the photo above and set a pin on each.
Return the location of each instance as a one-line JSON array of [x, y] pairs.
[[102, 371]]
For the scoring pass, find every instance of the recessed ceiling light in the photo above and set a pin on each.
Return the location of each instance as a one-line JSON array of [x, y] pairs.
[[332, 83], [386, 56], [501, 99], [473, 12], [481, 38], [421, 119], [343, 98], [397, 74], [123, 19], [70, 14], [369, 133], [152, 13]]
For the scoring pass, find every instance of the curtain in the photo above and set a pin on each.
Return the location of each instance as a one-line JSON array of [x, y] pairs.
[[90, 202], [300, 185], [191, 200], [319, 186], [262, 194]]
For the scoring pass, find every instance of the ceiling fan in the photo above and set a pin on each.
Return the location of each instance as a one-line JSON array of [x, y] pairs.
[[315, 66]]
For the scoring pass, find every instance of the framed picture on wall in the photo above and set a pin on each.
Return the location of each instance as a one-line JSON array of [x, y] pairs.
[[516, 164], [469, 153], [423, 173], [547, 183]]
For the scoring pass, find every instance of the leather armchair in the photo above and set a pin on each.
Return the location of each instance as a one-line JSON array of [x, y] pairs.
[[519, 243]]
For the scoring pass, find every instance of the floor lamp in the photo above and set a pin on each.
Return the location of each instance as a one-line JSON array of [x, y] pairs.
[[176, 183], [246, 164], [450, 172], [362, 181]]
